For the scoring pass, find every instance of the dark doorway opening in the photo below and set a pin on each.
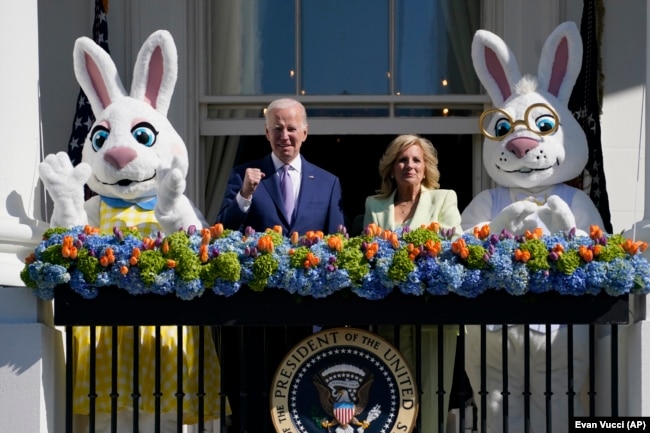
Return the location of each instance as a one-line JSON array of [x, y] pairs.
[[355, 160]]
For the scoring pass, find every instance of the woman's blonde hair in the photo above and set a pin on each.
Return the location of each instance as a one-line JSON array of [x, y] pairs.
[[397, 146]]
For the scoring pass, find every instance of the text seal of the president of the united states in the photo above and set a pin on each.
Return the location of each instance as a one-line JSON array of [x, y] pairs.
[[344, 380]]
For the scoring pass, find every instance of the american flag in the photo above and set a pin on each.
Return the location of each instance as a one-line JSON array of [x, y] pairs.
[[585, 103], [84, 118]]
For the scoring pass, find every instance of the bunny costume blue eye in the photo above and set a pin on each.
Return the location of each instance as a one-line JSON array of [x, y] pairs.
[[98, 137], [502, 127], [145, 134], [545, 123]]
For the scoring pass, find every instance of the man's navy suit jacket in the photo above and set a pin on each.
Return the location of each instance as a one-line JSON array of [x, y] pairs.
[[319, 205]]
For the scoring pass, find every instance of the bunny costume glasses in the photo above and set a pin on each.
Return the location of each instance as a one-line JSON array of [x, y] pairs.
[[539, 118]]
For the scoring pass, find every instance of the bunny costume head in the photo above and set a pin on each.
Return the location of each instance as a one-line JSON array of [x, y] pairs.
[[527, 156], [132, 154], [131, 138], [532, 143]]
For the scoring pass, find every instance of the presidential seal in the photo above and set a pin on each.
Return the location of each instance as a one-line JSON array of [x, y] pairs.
[[344, 380]]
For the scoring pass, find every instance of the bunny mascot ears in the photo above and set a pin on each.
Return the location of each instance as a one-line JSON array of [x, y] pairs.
[[154, 74], [559, 64]]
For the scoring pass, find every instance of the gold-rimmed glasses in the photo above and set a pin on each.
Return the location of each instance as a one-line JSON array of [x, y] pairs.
[[539, 118]]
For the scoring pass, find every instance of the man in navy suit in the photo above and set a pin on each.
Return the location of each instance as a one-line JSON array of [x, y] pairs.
[[253, 196]]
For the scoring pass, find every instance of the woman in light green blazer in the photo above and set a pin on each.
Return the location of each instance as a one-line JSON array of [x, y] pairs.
[[409, 197]]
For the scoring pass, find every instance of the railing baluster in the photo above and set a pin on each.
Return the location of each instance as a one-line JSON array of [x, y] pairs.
[[92, 395], [504, 367], [114, 393], [614, 373], [179, 379], [157, 392], [462, 392], [69, 374], [441, 380], [526, 393], [483, 389], [243, 390], [592, 370], [200, 394], [135, 395], [570, 385], [549, 369]]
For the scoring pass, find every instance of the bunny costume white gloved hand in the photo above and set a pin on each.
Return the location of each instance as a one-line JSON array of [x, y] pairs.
[[132, 152], [65, 184], [533, 143]]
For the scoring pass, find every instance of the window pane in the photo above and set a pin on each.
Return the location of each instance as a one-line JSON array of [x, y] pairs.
[[345, 47], [252, 44], [433, 45]]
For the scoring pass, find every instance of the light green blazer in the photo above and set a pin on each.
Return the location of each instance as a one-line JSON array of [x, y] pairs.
[[439, 205]]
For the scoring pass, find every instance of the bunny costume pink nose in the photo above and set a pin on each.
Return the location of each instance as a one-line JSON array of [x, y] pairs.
[[521, 145], [119, 157]]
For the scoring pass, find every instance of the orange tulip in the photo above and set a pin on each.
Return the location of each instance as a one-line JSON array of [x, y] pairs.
[[374, 230], [124, 270], [295, 237], [89, 230], [265, 244], [148, 243], [586, 254], [216, 230], [522, 255], [535, 234], [171, 263], [482, 232], [205, 236], [311, 260], [371, 250], [203, 253], [595, 232], [334, 242], [277, 229]]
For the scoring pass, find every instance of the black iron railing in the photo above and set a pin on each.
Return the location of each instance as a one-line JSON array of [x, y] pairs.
[[252, 331]]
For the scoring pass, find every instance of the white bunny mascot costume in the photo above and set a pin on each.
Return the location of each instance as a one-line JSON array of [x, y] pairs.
[[136, 162], [532, 146]]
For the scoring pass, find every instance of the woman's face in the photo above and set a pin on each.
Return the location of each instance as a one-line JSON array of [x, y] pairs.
[[409, 167]]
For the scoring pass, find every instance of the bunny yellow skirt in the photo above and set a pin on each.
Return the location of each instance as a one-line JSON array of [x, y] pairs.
[[146, 371]]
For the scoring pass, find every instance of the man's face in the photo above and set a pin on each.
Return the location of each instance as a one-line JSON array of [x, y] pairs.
[[286, 131]]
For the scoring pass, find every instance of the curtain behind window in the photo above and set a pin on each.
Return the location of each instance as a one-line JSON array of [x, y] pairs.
[[234, 55]]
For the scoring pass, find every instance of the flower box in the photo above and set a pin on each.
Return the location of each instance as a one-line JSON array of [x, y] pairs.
[[427, 275]]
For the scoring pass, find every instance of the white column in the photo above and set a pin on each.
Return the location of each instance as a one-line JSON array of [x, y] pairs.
[[31, 358], [638, 361]]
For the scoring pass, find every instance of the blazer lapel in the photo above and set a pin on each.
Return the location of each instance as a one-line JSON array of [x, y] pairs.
[[307, 184]]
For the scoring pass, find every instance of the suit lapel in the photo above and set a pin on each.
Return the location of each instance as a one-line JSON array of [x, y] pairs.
[[307, 184]]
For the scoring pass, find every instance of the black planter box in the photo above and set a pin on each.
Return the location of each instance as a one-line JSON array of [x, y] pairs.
[[114, 306]]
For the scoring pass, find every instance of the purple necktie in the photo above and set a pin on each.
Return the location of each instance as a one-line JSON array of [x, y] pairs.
[[286, 185]]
